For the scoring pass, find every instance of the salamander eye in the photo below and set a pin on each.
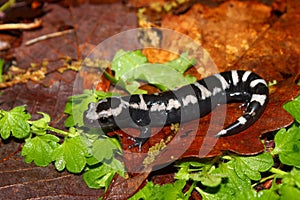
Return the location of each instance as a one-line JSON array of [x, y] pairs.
[[103, 120]]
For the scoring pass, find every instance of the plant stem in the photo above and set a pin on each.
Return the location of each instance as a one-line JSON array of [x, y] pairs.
[[7, 4], [226, 157], [264, 179], [58, 131], [278, 171], [109, 77], [188, 193], [275, 171], [201, 192]]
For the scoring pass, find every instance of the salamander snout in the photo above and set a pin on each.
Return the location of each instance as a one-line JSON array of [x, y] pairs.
[[90, 116]]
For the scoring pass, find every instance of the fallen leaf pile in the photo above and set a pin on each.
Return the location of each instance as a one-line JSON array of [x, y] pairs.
[[246, 35]]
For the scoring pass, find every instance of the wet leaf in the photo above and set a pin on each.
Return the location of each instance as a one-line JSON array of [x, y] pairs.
[[288, 146], [70, 155], [39, 149], [103, 144], [294, 108], [252, 166], [99, 177], [167, 191], [234, 185], [122, 188], [94, 24], [268, 45], [15, 122]]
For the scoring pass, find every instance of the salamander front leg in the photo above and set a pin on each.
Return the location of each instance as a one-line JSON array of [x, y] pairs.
[[139, 141]]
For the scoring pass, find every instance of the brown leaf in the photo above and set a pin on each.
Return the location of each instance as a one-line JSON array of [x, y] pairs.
[[94, 24], [26, 181], [243, 35], [276, 54], [200, 142], [226, 31], [121, 188]]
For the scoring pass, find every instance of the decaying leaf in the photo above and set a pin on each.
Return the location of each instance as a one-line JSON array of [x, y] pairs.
[[122, 188], [203, 143], [237, 34], [240, 40], [94, 24]]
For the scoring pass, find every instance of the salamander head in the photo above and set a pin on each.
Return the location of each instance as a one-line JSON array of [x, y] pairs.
[[99, 115]]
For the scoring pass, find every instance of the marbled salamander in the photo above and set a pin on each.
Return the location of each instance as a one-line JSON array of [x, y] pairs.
[[183, 104]]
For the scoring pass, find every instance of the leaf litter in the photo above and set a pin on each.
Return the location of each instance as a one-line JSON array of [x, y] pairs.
[[94, 25], [252, 54]]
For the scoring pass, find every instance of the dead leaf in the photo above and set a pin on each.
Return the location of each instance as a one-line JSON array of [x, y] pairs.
[[94, 24], [233, 42], [23, 11], [201, 142], [236, 37], [121, 188], [26, 181], [245, 35]]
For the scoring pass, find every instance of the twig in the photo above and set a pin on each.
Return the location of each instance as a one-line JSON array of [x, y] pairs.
[[48, 36], [6, 5], [1, 69], [25, 26]]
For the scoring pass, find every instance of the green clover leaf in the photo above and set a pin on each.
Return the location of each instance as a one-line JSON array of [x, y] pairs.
[[39, 149], [104, 148], [14, 122], [287, 146], [293, 107], [71, 154], [251, 166], [99, 177], [125, 61]]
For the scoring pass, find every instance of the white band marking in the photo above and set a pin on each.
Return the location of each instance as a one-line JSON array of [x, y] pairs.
[[257, 81], [216, 90], [158, 107], [242, 120], [91, 113], [260, 98], [235, 77], [189, 99], [246, 75], [222, 132], [205, 93], [106, 113], [224, 83], [173, 103], [141, 105]]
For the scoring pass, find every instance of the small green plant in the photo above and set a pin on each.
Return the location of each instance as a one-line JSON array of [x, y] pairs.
[[234, 177]]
